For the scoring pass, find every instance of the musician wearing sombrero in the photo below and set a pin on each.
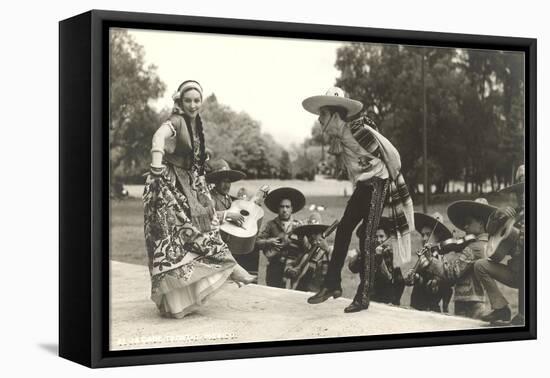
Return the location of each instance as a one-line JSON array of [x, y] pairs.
[[275, 239], [221, 176], [425, 297], [458, 268], [512, 273], [308, 271], [373, 165], [388, 280]]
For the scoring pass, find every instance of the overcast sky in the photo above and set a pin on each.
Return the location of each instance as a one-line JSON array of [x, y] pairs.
[[266, 77]]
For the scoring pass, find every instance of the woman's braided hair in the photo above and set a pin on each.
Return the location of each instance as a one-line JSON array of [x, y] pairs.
[[199, 126]]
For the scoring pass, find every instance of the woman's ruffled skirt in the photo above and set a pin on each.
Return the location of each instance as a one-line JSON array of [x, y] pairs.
[[186, 266], [177, 297]]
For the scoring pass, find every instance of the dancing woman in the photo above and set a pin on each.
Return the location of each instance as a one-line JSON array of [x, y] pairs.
[[188, 261]]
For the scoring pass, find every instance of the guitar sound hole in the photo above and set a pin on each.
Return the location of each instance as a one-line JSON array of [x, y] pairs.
[[244, 213]]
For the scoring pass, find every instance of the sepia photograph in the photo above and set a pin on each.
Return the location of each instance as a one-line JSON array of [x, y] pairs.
[[277, 189]]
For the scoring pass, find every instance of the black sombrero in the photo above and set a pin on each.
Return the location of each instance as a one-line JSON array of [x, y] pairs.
[[313, 226], [274, 198], [219, 170], [433, 222], [459, 210]]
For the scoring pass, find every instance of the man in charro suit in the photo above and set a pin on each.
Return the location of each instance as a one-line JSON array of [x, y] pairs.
[[373, 165]]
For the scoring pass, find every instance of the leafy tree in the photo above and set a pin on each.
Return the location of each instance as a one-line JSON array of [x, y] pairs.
[[285, 166], [305, 167], [238, 139], [132, 121]]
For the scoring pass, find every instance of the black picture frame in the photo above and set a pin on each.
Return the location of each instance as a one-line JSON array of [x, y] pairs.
[[84, 188]]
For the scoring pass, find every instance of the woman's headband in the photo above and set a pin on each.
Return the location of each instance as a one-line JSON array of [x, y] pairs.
[[184, 87]]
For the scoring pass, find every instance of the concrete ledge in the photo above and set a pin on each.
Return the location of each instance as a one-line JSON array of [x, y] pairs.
[[250, 314]]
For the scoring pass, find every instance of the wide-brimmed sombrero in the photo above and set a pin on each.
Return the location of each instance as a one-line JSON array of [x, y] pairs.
[[433, 222], [219, 170], [519, 184], [274, 198], [334, 97], [314, 225], [479, 209]]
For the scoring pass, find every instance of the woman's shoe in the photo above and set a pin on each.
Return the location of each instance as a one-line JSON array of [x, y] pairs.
[[323, 295], [241, 277], [247, 281], [240, 281]]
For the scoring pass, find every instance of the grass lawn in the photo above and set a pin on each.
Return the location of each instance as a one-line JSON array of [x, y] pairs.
[[128, 245]]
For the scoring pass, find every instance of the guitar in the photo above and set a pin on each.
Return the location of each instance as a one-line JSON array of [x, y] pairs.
[[503, 238], [303, 265], [241, 239]]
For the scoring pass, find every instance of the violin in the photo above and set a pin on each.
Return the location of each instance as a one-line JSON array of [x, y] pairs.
[[432, 250], [453, 244]]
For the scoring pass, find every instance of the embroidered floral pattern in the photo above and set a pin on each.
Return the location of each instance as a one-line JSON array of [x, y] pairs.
[[174, 245]]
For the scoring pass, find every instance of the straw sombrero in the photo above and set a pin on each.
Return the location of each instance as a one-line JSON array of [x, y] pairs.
[[274, 198], [519, 185], [459, 210], [313, 226], [433, 222], [334, 97], [219, 170]]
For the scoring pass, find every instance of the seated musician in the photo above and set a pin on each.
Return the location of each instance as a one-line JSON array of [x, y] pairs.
[[457, 268], [307, 273], [388, 280], [221, 176], [426, 297], [512, 273], [275, 239]]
